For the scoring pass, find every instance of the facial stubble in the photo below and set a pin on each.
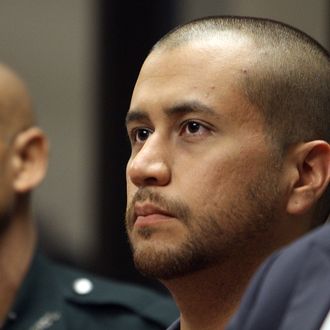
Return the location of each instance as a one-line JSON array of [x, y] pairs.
[[213, 236]]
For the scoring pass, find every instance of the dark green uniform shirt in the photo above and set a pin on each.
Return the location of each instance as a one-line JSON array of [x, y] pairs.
[[55, 297]]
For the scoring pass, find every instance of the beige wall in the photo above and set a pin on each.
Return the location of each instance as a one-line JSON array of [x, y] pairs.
[[50, 44], [310, 16]]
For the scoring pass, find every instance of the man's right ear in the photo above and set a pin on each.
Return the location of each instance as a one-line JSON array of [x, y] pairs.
[[29, 159], [311, 177]]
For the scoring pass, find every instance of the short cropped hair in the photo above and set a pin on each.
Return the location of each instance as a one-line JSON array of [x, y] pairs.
[[288, 81]]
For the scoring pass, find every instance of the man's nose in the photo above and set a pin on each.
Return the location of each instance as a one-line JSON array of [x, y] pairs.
[[150, 166]]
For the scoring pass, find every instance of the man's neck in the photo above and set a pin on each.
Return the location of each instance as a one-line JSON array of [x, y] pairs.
[[208, 298], [17, 244]]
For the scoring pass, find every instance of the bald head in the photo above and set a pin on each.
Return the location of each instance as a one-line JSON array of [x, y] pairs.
[[15, 104]]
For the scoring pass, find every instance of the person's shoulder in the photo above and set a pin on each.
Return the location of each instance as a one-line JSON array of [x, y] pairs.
[[112, 302], [297, 272], [315, 242], [297, 256], [318, 237]]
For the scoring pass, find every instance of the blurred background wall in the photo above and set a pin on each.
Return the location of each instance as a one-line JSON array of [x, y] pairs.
[[52, 44], [80, 59]]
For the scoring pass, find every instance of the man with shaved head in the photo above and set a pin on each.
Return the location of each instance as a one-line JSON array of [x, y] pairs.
[[36, 293], [229, 132]]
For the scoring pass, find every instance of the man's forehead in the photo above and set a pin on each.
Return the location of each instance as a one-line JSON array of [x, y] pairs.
[[190, 70], [193, 59], [200, 70]]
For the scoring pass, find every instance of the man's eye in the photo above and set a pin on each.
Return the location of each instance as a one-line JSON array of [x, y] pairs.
[[193, 128], [141, 134]]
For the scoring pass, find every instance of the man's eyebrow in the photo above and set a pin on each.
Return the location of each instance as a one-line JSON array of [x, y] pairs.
[[177, 109], [190, 107], [136, 115]]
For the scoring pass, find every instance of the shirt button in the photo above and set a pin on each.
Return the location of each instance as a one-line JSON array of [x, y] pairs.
[[82, 286], [11, 316]]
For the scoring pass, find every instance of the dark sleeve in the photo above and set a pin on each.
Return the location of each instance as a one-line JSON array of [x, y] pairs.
[[290, 291], [253, 300]]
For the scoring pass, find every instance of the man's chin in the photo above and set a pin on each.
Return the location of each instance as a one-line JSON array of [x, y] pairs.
[[166, 263]]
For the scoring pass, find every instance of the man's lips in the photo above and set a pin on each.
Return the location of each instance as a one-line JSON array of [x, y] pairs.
[[147, 214]]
